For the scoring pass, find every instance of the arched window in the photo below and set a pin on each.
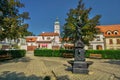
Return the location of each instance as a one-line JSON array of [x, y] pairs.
[[99, 47], [109, 32], [115, 32]]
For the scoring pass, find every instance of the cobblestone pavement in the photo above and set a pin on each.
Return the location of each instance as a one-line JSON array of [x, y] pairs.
[[41, 68]]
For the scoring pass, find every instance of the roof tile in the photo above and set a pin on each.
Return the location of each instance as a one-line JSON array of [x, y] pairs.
[[111, 28], [49, 34]]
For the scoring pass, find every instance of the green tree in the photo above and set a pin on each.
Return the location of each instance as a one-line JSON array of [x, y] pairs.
[[12, 24], [88, 29]]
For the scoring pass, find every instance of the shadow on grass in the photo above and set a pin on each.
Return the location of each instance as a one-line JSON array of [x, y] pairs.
[[16, 60], [7, 75], [117, 62]]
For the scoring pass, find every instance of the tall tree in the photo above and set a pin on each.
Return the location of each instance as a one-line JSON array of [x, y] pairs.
[[80, 14], [12, 24]]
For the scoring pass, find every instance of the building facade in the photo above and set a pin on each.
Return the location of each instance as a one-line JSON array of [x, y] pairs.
[[48, 40], [109, 38], [31, 42], [112, 36], [97, 43]]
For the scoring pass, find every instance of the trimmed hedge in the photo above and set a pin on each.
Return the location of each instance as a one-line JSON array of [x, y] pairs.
[[14, 53], [17, 53], [106, 54], [51, 53], [47, 53]]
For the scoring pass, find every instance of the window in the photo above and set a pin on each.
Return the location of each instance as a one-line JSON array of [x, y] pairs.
[[108, 32], [48, 38], [118, 41], [97, 38], [110, 41], [43, 37], [44, 45], [90, 47], [115, 32], [99, 47]]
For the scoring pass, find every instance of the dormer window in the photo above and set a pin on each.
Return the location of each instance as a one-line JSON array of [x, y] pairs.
[[109, 33], [115, 32]]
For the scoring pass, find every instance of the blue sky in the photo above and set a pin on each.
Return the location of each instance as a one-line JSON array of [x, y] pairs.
[[43, 13]]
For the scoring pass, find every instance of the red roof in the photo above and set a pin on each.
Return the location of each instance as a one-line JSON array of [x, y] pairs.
[[43, 41], [49, 34], [110, 28], [31, 39]]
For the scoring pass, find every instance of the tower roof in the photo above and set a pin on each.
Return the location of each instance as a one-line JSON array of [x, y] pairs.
[[57, 21]]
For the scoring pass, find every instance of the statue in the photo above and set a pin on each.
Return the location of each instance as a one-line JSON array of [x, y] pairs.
[[79, 64], [79, 45], [79, 51]]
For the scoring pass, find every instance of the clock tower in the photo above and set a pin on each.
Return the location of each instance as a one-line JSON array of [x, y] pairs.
[[57, 26]]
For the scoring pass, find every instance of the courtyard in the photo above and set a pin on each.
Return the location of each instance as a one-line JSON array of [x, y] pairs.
[[39, 68]]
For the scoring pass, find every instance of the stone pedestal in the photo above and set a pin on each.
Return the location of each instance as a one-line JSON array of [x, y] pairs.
[[80, 67]]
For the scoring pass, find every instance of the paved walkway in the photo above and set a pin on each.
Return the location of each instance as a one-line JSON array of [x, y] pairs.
[[41, 68]]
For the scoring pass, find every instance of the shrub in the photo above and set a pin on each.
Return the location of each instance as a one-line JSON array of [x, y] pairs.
[[106, 54], [17, 53], [14, 53], [43, 52], [51, 53]]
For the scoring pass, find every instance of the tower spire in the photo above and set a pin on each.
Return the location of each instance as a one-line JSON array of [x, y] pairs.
[[57, 26], [57, 21]]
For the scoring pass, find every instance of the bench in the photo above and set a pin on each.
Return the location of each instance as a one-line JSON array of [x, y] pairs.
[[96, 56], [68, 55], [5, 56]]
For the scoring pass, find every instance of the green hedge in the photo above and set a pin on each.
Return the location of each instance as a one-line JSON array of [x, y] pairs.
[[14, 53], [47, 53], [51, 53], [106, 54], [18, 53]]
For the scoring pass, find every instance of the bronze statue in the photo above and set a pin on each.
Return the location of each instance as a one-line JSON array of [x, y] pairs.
[[79, 64]]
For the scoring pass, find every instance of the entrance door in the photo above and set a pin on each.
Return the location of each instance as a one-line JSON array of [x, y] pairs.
[[99, 47], [31, 48]]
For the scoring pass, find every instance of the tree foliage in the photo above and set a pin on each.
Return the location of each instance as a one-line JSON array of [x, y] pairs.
[[12, 24], [88, 29]]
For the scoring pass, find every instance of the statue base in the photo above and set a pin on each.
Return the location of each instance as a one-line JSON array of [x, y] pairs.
[[80, 67]]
